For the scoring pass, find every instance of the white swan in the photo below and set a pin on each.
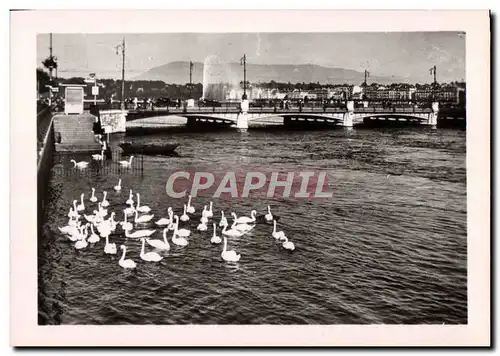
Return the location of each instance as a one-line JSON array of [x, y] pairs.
[[180, 232], [229, 256], [119, 186], [179, 241], [233, 232], [142, 219], [130, 200], [165, 221], [139, 233], [277, 234], [159, 244], [190, 209], [215, 239], [98, 157], [202, 227], [101, 211], [204, 212], [105, 202], [80, 165], [269, 217], [104, 228], [139, 208], [74, 212], [126, 164], [244, 219], [82, 243], [93, 198], [288, 244], [244, 227], [210, 213], [130, 210], [93, 238], [184, 216], [111, 222], [126, 263], [81, 206], [150, 256], [223, 220], [110, 249], [69, 230], [125, 224]]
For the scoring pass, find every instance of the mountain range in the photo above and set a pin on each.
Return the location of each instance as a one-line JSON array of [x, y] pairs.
[[178, 73]]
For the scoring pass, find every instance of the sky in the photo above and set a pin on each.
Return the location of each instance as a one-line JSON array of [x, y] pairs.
[[409, 55]]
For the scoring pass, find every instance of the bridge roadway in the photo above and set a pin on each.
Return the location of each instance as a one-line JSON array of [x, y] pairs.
[[338, 116]]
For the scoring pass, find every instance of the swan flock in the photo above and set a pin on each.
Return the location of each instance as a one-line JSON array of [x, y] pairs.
[[90, 222]]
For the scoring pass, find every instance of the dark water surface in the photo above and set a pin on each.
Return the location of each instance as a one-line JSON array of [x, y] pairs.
[[389, 247]]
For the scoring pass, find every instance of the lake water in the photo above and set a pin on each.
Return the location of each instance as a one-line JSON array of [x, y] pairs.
[[389, 247]]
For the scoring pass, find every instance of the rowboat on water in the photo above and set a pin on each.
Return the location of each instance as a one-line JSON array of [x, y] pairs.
[[164, 149]]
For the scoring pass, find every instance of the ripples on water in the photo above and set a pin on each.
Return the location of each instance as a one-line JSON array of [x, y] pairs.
[[384, 249]]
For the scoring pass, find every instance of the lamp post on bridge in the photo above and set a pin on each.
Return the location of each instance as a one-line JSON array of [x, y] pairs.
[[122, 47]]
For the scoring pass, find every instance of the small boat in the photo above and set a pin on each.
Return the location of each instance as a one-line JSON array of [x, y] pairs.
[[165, 149]]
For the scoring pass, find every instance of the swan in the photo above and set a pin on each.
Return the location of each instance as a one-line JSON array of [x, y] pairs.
[[73, 222], [101, 212], [130, 200], [111, 222], [93, 198], [94, 219], [269, 216], [159, 244], [81, 244], [81, 165], [110, 249], [81, 206], [209, 213], [165, 221], [139, 233], [105, 202], [190, 208], [179, 241], [119, 186], [142, 219], [215, 239], [277, 234], [184, 216], [204, 212], [126, 263], [244, 227], [141, 209], [288, 244], [104, 228], [180, 232], [98, 157], [202, 227], [94, 238], [229, 256], [150, 256], [74, 212], [69, 230], [130, 210], [126, 164], [233, 232], [125, 224], [204, 220], [223, 220], [70, 213], [244, 219]]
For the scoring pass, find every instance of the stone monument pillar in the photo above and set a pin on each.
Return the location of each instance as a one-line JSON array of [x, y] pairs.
[[242, 120], [348, 116]]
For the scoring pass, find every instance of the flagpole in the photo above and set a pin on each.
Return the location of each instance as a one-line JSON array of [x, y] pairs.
[[244, 76]]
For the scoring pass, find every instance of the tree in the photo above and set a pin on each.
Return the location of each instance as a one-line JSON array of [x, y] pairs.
[[43, 80]]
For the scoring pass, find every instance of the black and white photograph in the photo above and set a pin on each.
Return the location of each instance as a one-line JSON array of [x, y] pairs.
[[238, 178]]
